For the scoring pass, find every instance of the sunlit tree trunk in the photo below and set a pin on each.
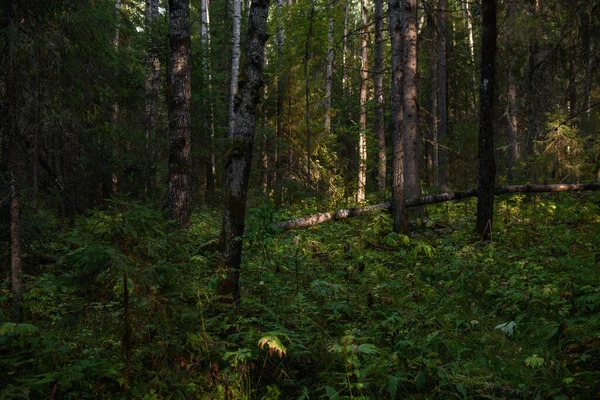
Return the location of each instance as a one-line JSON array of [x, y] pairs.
[[411, 138], [152, 92], [179, 113], [486, 166], [442, 103], [378, 92], [235, 63], [465, 6], [240, 156], [364, 76], [399, 213]]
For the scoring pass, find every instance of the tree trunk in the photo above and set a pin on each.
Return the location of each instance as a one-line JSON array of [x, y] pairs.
[[209, 157], [152, 93], [307, 90], [399, 213], [486, 166], [338, 215], [281, 79], [179, 113], [469, 23], [328, 77], [8, 166], [378, 92], [240, 156], [411, 138], [364, 76], [442, 103], [533, 129], [513, 155], [235, 63]]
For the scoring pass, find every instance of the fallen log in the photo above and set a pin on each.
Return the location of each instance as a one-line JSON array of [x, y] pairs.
[[338, 215]]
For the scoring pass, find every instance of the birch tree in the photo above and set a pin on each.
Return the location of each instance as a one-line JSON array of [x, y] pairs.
[[239, 157], [235, 63]]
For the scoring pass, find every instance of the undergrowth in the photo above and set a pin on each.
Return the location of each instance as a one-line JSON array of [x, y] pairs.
[[341, 310]]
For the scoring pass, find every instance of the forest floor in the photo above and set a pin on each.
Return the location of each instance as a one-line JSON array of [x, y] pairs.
[[342, 310]]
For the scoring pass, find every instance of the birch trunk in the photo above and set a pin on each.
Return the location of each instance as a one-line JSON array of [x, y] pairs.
[[399, 213], [378, 92], [338, 215], [364, 76], [179, 113], [486, 166], [240, 156], [235, 63]]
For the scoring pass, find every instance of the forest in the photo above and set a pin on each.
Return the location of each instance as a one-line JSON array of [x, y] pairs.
[[299, 199]]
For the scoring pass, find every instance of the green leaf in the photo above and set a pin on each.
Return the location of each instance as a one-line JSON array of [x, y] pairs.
[[331, 393], [18, 329], [508, 327], [272, 340], [367, 348], [534, 361]]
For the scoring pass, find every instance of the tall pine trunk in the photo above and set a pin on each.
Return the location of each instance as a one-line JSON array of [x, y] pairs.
[[378, 92], [209, 157], [239, 157], [364, 76], [442, 101], [486, 166], [399, 212], [179, 113], [152, 93], [411, 138]]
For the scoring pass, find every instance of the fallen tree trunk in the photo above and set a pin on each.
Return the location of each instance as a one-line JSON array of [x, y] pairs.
[[316, 219]]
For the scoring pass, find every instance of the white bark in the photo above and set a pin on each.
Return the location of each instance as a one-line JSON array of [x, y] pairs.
[[235, 63]]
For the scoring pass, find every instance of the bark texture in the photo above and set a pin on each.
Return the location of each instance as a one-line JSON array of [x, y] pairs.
[[411, 139], [235, 63], [152, 91], [364, 76], [239, 158], [179, 113], [378, 92], [328, 77], [338, 215], [399, 213], [486, 165], [442, 100]]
